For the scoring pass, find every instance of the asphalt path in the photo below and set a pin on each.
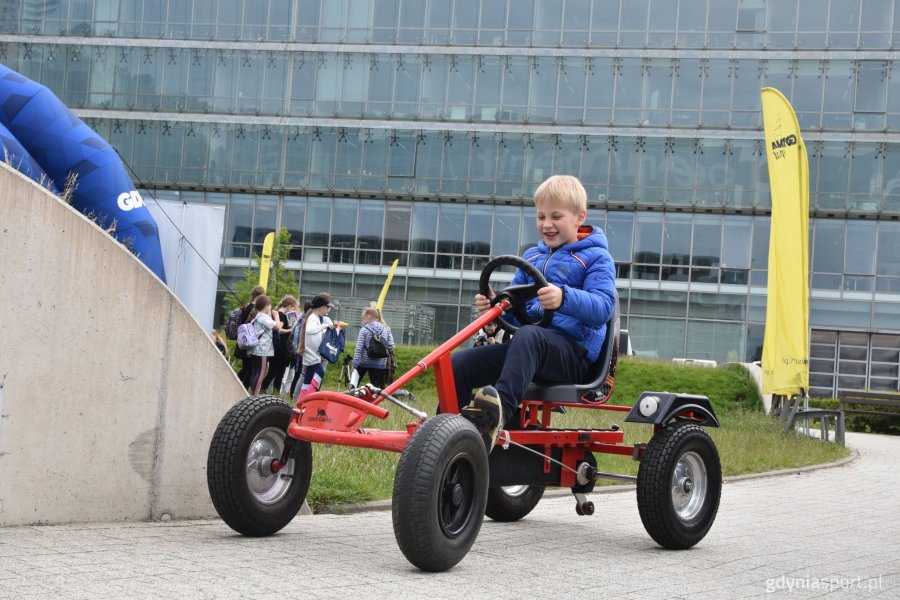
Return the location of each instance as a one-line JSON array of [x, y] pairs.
[[832, 532]]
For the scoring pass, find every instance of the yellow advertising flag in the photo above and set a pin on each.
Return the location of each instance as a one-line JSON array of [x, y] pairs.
[[265, 261], [785, 358], [380, 304]]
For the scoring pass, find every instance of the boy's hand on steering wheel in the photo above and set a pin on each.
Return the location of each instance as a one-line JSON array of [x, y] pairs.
[[551, 297], [483, 303]]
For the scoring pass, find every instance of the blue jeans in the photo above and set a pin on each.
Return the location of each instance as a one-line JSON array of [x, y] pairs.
[[533, 354]]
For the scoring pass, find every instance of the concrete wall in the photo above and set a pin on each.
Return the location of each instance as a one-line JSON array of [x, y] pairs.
[[109, 389]]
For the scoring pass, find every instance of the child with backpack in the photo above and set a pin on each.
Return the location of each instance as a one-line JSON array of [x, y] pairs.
[[373, 345], [315, 322], [237, 317], [264, 324], [284, 355]]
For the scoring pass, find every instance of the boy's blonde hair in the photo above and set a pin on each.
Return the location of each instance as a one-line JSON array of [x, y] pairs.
[[562, 190]]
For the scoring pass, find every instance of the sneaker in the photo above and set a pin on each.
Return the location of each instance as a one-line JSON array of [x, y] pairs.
[[486, 413]]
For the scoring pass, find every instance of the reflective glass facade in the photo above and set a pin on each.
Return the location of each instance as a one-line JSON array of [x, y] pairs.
[[417, 130]]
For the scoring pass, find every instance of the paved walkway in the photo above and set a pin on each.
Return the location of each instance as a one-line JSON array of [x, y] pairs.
[[827, 533]]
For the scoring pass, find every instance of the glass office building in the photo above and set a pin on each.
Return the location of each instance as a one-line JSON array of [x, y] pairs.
[[417, 130]]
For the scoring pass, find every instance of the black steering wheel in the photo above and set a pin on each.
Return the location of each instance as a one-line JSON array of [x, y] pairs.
[[517, 295]]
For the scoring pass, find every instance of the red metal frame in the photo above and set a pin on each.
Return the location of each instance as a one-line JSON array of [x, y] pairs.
[[335, 418]]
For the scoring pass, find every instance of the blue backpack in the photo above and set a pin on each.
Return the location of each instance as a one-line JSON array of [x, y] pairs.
[[332, 345]]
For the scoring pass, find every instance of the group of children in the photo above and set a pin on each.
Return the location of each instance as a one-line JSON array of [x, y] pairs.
[[288, 343]]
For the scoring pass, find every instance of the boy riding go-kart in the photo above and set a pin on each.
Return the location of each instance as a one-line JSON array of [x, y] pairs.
[[451, 472]]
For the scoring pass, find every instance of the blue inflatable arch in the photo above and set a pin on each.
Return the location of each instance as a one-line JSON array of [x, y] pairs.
[[43, 139]]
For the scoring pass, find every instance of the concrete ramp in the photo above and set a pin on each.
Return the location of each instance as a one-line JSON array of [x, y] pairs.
[[109, 389]]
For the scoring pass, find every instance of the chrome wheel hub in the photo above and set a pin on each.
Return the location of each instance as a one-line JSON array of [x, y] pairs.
[[689, 484]]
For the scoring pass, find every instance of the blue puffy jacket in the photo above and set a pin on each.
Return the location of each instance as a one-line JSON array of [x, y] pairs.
[[585, 272]]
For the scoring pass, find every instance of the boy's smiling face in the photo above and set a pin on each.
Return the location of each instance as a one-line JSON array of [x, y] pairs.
[[557, 224]]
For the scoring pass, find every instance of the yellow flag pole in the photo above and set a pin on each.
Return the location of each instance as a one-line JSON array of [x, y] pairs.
[[785, 357], [380, 304], [265, 260]]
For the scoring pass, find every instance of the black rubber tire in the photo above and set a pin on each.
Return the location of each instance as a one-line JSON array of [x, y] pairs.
[[440, 492], [679, 453], [256, 419], [505, 507]]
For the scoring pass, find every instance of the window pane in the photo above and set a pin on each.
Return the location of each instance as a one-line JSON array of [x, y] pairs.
[[647, 238], [839, 313], [507, 222], [265, 220], [888, 262], [887, 315], [318, 222], [736, 249], [487, 82], [450, 228], [658, 303], [759, 258], [833, 175], [657, 338], [423, 234], [371, 228], [677, 239], [722, 342], [478, 230], [433, 290], [293, 214], [722, 307], [859, 256], [619, 226], [397, 226], [871, 86], [240, 220], [343, 227], [828, 249]]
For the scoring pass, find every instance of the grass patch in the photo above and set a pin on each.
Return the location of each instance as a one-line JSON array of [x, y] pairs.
[[748, 441]]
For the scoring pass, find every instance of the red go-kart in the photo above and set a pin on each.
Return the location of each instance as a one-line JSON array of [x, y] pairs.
[[260, 459]]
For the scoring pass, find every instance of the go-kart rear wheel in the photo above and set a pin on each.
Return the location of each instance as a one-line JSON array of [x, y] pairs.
[[512, 502], [250, 497], [440, 491], [679, 484]]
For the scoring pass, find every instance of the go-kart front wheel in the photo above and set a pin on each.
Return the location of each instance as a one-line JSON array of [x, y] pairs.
[[678, 485], [250, 496], [440, 492], [512, 502]]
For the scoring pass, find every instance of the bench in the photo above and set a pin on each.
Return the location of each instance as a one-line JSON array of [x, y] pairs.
[[794, 413], [869, 399]]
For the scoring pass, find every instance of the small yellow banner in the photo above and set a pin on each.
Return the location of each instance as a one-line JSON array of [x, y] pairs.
[[785, 358], [265, 261], [380, 304]]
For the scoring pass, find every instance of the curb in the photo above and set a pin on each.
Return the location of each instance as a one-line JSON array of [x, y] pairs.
[[385, 505], [854, 454]]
